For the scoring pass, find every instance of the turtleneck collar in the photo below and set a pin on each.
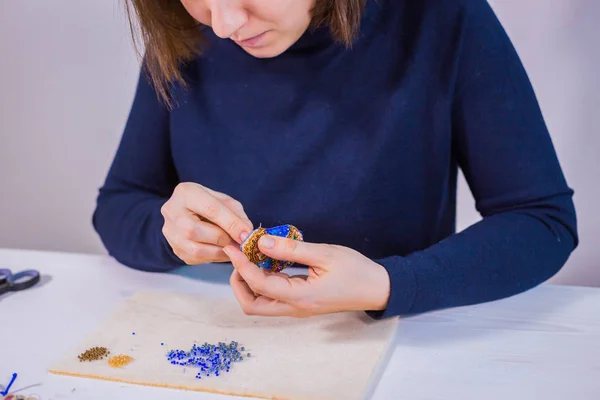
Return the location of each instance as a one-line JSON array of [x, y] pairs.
[[312, 39]]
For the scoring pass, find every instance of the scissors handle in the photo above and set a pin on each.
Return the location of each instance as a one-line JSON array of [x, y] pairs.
[[20, 281]]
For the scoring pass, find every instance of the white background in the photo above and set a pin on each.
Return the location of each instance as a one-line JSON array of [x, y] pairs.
[[68, 72]]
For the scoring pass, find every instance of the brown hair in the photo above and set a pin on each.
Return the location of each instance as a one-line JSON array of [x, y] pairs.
[[171, 36]]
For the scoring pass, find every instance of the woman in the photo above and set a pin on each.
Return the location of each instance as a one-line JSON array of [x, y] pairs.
[[348, 119]]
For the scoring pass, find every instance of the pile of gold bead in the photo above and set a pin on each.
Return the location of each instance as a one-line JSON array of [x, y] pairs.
[[120, 360], [93, 354], [100, 353]]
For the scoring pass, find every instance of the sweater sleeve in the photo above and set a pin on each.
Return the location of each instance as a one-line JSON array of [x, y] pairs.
[[140, 180], [528, 228]]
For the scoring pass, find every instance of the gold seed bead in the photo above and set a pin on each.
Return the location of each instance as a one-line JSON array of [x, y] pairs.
[[120, 360], [95, 353]]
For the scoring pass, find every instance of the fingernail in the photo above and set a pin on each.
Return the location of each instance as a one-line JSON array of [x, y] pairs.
[[267, 242], [226, 251], [244, 235]]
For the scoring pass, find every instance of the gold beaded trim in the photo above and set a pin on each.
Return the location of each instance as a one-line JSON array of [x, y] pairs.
[[295, 233], [250, 247]]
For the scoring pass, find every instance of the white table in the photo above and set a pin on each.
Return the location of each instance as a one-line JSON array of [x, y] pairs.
[[543, 344]]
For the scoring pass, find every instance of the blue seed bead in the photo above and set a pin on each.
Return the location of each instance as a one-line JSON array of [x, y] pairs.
[[210, 359]]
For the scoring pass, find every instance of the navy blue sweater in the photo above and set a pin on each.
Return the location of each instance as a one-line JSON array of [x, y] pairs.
[[360, 147]]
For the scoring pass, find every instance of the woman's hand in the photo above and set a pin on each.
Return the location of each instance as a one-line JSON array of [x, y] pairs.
[[339, 279], [199, 222]]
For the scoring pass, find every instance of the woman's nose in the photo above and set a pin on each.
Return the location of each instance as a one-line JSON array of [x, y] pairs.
[[227, 17]]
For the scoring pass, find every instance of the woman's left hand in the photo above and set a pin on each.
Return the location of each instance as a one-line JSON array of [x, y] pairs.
[[339, 279]]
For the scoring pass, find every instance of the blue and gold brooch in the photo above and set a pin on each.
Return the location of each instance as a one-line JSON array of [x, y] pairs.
[[250, 246]]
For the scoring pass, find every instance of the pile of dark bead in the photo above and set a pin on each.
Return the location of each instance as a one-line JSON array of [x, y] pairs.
[[93, 354], [210, 358]]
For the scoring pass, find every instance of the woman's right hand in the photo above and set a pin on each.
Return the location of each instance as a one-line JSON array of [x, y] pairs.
[[199, 222]]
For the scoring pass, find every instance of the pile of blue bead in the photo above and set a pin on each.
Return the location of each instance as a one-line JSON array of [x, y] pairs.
[[209, 358]]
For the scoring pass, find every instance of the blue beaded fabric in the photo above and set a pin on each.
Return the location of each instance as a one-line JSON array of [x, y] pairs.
[[250, 246]]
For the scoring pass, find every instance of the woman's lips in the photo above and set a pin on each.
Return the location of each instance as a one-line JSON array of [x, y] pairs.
[[255, 41]]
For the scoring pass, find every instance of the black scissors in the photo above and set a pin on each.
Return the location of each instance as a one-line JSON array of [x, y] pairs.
[[19, 281]]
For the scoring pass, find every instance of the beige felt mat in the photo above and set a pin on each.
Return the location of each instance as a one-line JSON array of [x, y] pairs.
[[336, 356]]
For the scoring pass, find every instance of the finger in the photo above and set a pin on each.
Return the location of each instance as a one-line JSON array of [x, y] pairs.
[[233, 204], [260, 281], [303, 277], [194, 253], [206, 205], [258, 305], [266, 307], [192, 228], [238, 209], [241, 290], [311, 254]]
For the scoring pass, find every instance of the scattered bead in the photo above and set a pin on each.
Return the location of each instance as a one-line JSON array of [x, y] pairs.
[[209, 358], [120, 360], [93, 354]]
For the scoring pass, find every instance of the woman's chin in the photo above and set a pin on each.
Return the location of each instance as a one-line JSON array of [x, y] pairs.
[[270, 50]]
